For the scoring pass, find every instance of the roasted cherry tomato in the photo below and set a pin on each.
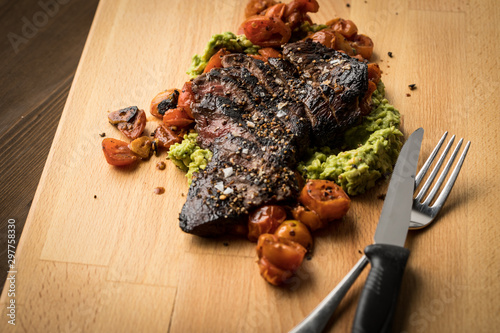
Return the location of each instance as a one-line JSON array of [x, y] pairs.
[[216, 60], [141, 146], [164, 101], [277, 11], [135, 129], [117, 152], [346, 28], [280, 252], [177, 117], [295, 231], [265, 220], [296, 12], [363, 46], [309, 218], [310, 6], [272, 274], [166, 137], [186, 97], [325, 198], [266, 31], [255, 7], [325, 37], [130, 121]]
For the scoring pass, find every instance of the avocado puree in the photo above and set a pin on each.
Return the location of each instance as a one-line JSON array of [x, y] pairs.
[[370, 150], [188, 156], [226, 40]]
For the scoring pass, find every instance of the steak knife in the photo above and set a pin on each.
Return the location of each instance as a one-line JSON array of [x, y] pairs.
[[387, 255]]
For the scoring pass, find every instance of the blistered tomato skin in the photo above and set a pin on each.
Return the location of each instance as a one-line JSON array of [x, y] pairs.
[[177, 117], [166, 137], [265, 220], [309, 218], [281, 252], [325, 198], [117, 152], [266, 31], [164, 101], [295, 231]]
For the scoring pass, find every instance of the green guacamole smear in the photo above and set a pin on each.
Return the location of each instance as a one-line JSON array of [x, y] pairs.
[[370, 150], [188, 156], [226, 40]]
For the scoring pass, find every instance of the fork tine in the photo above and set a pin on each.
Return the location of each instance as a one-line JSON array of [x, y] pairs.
[[443, 175], [449, 184], [428, 163], [434, 172]]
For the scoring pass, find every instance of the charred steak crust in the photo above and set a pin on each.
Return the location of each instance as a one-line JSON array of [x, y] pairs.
[[258, 118]]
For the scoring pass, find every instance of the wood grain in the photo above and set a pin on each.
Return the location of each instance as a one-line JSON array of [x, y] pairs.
[[119, 262], [36, 76]]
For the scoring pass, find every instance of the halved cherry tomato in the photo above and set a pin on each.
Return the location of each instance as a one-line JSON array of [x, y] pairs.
[[164, 101], [216, 60], [281, 252], [309, 218], [166, 137], [277, 11], [255, 7], [117, 152], [130, 121], [265, 220], [296, 232], [325, 198], [311, 6], [186, 97], [363, 45], [266, 31], [273, 274], [177, 117], [346, 28], [325, 37]]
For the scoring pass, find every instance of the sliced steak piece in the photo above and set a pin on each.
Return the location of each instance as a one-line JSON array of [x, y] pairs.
[[332, 85], [239, 178], [281, 102]]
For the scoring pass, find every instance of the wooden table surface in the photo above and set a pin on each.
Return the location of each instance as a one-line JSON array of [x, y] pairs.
[[119, 262]]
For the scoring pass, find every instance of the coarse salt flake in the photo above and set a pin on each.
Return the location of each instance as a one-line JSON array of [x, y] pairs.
[[281, 113], [227, 172], [228, 191], [219, 186]]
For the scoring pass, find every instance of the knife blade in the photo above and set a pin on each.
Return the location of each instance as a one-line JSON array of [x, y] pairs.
[[387, 255]]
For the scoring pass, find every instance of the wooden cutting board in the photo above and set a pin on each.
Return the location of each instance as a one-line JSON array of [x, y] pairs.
[[102, 253]]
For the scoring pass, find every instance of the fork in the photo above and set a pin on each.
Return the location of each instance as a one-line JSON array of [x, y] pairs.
[[422, 214]]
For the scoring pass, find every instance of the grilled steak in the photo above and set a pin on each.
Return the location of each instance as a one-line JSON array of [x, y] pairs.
[[258, 118]]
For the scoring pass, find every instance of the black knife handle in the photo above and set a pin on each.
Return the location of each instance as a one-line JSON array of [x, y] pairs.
[[380, 294]]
